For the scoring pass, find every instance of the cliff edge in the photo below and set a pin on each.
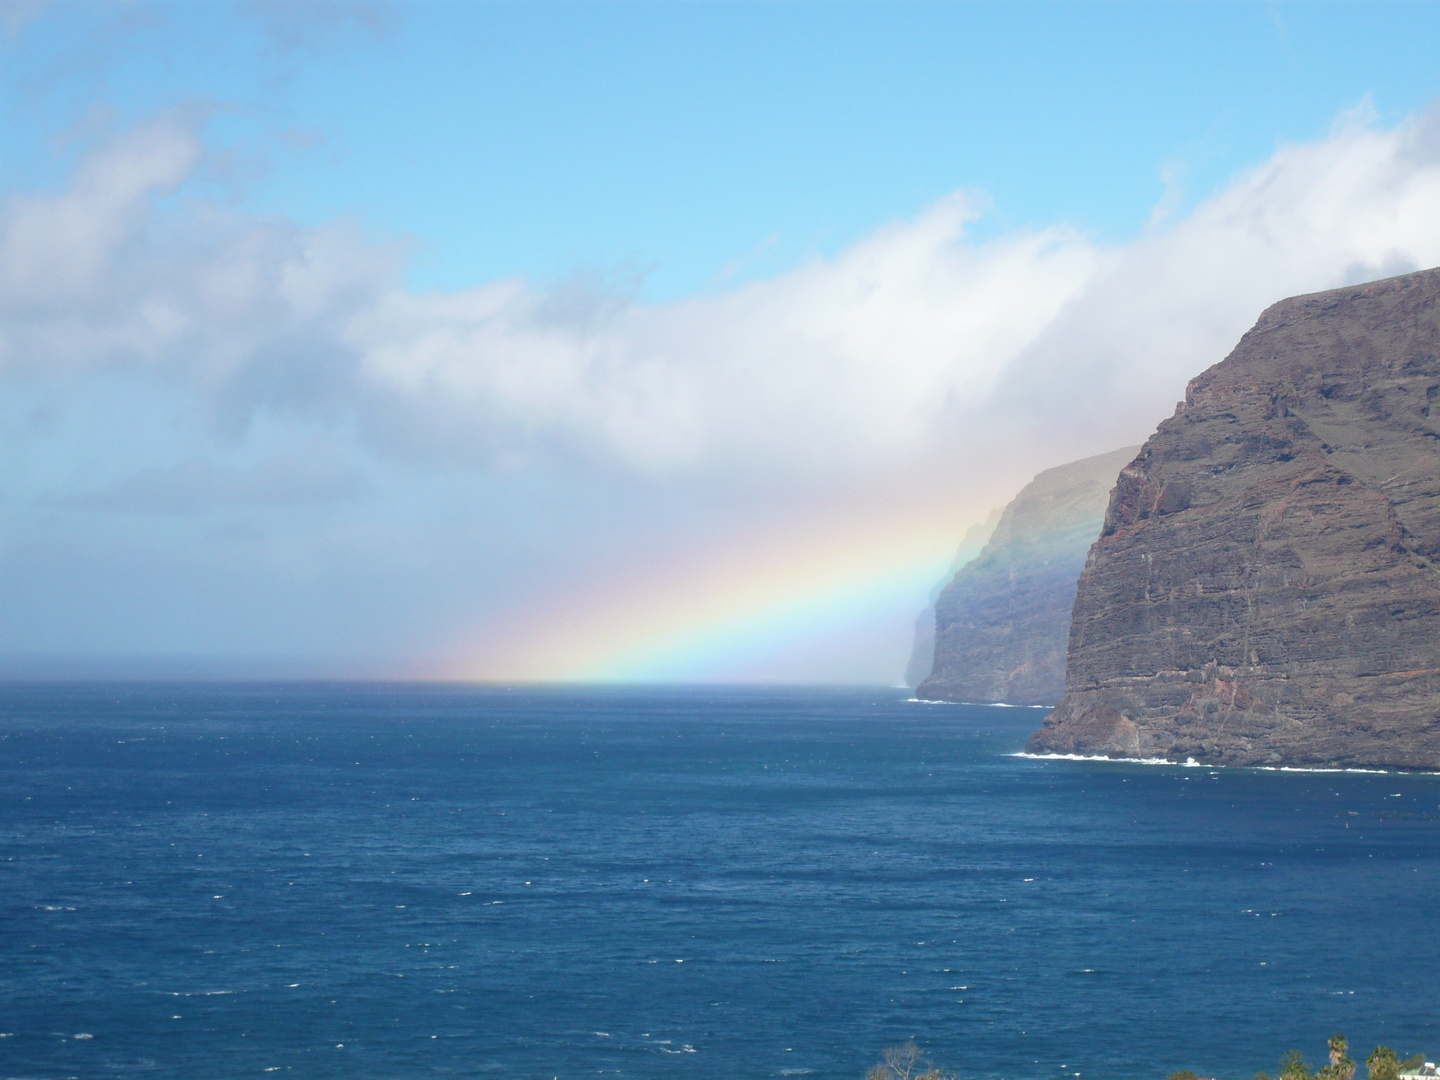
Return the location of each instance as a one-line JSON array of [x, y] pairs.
[[1266, 589], [1001, 625]]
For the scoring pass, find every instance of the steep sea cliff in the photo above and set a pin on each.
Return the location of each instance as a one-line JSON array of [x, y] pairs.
[[1266, 590], [922, 652], [1001, 625]]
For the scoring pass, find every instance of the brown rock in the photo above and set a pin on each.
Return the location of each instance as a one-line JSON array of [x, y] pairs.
[[1002, 623], [1265, 590]]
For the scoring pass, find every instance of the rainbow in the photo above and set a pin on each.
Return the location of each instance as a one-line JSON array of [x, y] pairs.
[[724, 610]]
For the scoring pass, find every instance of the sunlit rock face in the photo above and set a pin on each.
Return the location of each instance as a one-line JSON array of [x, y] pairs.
[[1266, 589], [1001, 625]]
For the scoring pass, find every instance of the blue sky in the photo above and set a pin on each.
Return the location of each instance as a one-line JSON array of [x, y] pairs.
[[542, 340], [687, 145]]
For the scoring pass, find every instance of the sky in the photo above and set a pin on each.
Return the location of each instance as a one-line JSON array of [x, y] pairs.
[[628, 341]]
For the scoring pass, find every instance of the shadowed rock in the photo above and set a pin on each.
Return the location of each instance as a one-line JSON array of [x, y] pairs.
[[1001, 625], [922, 653], [1265, 589]]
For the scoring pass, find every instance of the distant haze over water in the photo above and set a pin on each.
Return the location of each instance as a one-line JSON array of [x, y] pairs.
[[408, 881]]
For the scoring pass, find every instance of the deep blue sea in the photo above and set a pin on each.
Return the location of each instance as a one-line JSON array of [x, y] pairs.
[[204, 882]]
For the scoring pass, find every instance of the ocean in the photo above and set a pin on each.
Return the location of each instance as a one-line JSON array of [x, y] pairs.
[[395, 881]]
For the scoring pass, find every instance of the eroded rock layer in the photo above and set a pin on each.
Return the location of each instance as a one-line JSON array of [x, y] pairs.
[[1265, 590], [1001, 625]]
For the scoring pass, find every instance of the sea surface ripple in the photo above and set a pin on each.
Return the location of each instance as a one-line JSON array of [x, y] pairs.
[[397, 881]]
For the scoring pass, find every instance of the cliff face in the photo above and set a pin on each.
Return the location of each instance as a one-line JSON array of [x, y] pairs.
[[1001, 624], [922, 652], [1266, 589]]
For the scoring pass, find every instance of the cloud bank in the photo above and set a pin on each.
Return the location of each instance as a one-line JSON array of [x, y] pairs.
[[162, 349]]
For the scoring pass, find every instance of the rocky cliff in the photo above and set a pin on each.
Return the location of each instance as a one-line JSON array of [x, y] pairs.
[[1001, 624], [922, 652], [1266, 589]]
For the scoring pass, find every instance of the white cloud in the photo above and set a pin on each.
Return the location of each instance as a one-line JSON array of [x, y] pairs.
[[838, 364], [917, 358], [122, 272], [1360, 204], [60, 252], [856, 362]]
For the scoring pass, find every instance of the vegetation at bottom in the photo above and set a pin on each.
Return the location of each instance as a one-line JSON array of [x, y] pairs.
[[908, 1062], [1383, 1064]]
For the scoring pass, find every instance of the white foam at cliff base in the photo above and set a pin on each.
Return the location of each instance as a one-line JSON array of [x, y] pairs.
[[1103, 757], [1192, 763], [1318, 768], [975, 704]]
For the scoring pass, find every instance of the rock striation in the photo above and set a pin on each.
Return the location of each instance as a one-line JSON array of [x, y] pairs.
[[922, 652], [1001, 625], [1266, 587]]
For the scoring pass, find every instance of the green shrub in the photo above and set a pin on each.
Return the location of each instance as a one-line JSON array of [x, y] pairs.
[[1293, 1067]]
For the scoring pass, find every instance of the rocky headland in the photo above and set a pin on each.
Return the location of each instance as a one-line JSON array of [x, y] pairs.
[[1266, 586], [1002, 623]]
